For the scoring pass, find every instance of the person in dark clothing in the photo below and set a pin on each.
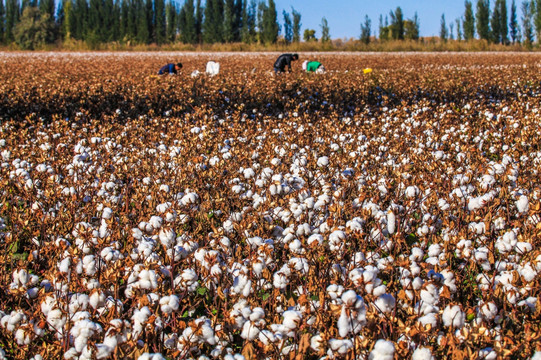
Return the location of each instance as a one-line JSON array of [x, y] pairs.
[[170, 69], [283, 61]]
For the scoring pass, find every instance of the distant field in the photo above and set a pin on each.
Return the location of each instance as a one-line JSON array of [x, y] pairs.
[[389, 214]]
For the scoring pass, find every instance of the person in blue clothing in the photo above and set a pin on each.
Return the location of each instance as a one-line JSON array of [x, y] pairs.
[[170, 69]]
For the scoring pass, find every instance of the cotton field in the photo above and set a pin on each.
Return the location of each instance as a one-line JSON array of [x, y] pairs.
[[392, 214]]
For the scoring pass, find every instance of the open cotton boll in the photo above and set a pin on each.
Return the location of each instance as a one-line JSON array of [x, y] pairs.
[[167, 237], [151, 356], [453, 316], [340, 346], [168, 304], [107, 213], [383, 350], [536, 356], [385, 303], [522, 204], [323, 161], [292, 319], [391, 222], [422, 353]]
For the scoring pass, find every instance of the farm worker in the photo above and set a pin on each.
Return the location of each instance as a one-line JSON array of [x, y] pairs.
[[170, 69], [213, 68], [313, 66], [283, 61]]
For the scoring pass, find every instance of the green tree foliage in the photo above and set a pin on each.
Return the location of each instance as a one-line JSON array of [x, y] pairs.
[[495, 24], [309, 35], [199, 21], [2, 21], [325, 31], [159, 22], [296, 25], [469, 21], [248, 31], [34, 30], [213, 23], [459, 33], [499, 28], [188, 23], [483, 19], [12, 17], [47, 7], [229, 21], [397, 24], [78, 19], [536, 11], [270, 24], [366, 29], [411, 28], [171, 22], [288, 27], [444, 34], [513, 24], [527, 25]]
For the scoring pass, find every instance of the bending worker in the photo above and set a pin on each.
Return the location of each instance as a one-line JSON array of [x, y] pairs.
[[283, 61], [313, 66], [170, 69]]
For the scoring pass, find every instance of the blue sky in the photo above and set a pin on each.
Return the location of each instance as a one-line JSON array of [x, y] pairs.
[[345, 16]]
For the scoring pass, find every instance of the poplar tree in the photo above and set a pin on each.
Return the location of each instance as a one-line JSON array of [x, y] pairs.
[[199, 21], [397, 24], [469, 21], [483, 19], [513, 23], [288, 27], [248, 31], [171, 22], [495, 24], [213, 23], [443, 29], [188, 30], [159, 21], [270, 23], [12, 17], [325, 31], [527, 17], [296, 25], [2, 21], [229, 21], [366, 30]]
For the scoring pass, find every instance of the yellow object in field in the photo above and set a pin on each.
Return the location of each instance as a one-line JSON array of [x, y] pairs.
[[367, 70]]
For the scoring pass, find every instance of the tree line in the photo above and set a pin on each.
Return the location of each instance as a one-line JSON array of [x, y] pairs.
[[31, 23]]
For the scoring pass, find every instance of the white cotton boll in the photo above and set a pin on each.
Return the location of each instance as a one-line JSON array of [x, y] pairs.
[[340, 346], [453, 316], [522, 204], [428, 319], [422, 353], [489, 310], [316, 342], [536, 356], [168, 304], [167, 237], [292, 319], [155, 222], [383, 350], [323, 161], [150, 356], [64, 265], [315, 239], [411, 191], [107, 213], [391, 222], [385, 303], [249, 331]]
